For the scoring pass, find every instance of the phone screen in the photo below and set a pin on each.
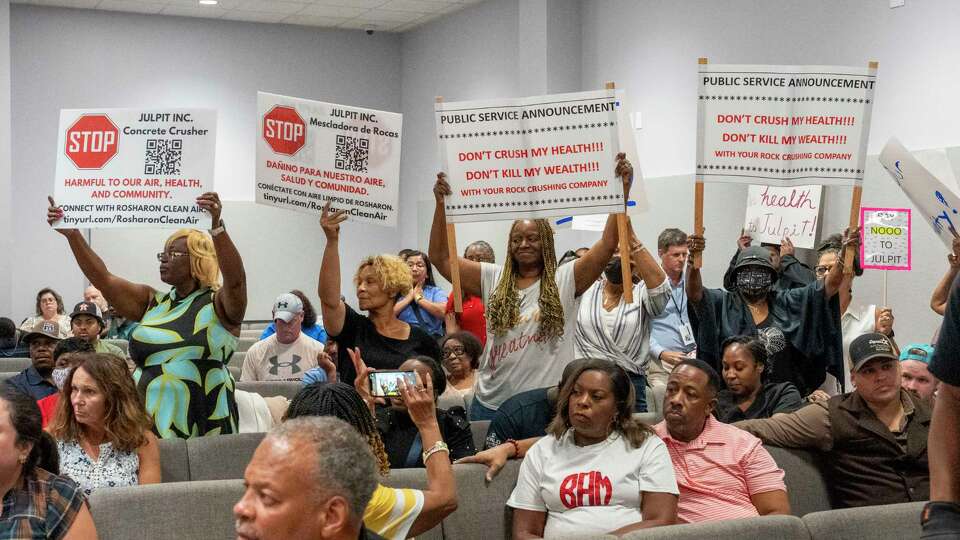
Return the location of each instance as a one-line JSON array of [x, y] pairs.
[[384, 383]]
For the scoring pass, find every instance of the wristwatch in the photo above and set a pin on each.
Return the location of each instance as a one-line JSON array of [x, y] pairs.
[[219, 230], [418, 298]]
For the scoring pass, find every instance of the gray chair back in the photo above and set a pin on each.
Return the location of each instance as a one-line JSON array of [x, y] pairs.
[[14, 365], [478, 429], [779, 527], [174, 462], [867, 523], [806, 486], [287, 389], [224, 457]]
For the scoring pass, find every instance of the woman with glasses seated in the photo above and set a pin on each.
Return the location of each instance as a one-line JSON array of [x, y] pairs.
[[186, 335], [461, 357]]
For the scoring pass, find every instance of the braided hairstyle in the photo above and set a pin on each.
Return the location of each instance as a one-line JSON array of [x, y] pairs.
[[342, 401], [503, 310]]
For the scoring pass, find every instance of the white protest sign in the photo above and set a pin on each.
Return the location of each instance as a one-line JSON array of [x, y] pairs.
[[777, 212], [134, 167], [936, 204], [530, 157], [783, 125], [310, 152], [886, 238]]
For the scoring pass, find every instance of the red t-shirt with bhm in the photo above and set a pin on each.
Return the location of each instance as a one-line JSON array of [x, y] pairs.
[[472, 319]]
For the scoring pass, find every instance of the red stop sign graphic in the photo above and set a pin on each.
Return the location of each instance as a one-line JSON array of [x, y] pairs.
[[284, 130], [92, 141]]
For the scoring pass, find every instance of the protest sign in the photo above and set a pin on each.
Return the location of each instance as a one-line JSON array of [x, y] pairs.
[[783, 125], [936, 203], [530, 157], [134, 167], [777, 212], [310, 152], [886, 238]]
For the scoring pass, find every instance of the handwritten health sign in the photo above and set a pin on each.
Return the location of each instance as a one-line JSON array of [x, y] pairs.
[[777, 212], [886, 238]]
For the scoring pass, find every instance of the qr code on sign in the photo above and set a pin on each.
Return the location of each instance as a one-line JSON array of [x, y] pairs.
[[352, 154], [163, 156]]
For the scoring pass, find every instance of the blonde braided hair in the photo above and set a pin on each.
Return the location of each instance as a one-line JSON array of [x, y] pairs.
[[503, 312]]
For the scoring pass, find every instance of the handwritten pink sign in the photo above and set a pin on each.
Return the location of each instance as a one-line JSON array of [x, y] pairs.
[[777, 212]]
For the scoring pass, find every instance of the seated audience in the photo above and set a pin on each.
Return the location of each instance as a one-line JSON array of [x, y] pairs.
[[385, 340], [287, 354], [914, 370], [472, 319], [10, 346], [793, 273], [671, 332], [424, 305], [86, 323], [327, 370], [599, 470], [93, 294], [748, 395], [66, 356], [37, 502], [309, 326], [528, 296], [36, 381], [874, 438], [309, 478], [723, 472], [102, 430], [399, 431], [938, 300], [609, 328], [49, 307], [855, 319], [461, 357], [802, 348], [393, 513]]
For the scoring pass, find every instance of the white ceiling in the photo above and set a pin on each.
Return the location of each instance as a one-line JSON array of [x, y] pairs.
[[380, 15]]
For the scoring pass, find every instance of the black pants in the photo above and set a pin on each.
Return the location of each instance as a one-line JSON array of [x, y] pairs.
[[941, 520]]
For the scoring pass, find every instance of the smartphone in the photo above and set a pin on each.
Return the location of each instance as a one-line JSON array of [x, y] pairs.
[[384, 383]]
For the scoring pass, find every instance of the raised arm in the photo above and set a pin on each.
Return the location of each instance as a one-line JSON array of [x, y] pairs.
[[834, 280], [231, 299], [649, 269], [938, 302], [128, 299], [440, 496], [438, 252], [588, 268], [328, 287], [696, 244]]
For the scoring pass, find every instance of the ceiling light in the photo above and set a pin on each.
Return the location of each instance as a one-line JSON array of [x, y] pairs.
[[208, 2]]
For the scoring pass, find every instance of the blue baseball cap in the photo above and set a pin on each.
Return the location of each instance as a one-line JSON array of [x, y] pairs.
[[921, 352]]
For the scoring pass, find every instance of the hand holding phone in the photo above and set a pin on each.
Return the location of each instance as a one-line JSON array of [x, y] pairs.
[[384, 383]]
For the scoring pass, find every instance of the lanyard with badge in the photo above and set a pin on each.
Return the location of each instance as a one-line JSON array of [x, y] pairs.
[[686, 331]]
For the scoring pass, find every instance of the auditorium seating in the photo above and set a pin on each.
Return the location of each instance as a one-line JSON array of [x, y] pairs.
[[13, 365], [287, 389], [4, 375], [243, 345], [235, 371]]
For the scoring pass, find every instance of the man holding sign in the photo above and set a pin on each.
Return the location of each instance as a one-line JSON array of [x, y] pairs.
[[531, 304]]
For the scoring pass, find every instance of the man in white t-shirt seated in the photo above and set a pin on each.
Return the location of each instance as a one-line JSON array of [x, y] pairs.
[[287, 354]]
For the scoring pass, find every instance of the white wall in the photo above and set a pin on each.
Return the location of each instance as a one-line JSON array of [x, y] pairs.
[[7, 242], [64, 58]]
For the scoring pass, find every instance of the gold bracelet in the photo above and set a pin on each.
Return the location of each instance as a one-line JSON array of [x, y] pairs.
[[439, 446]]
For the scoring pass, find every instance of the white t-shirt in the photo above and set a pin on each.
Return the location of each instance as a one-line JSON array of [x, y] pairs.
[[592, 489], [519, 360], [270, 360]]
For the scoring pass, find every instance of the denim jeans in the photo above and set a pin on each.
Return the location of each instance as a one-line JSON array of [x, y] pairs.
[[640, 385], [941, 520], [479, 413]]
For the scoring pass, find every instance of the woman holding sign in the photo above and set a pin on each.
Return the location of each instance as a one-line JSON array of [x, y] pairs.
[[531, 303], [187, 334]]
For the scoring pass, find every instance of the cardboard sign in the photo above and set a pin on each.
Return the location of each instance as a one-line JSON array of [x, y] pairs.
[[783, 125], [530, 157], [935, 203], [310, 152], [134, 167], [886, 238], [777, 212]]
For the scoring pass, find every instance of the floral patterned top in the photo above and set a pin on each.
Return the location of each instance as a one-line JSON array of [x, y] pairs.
[[114, 468]]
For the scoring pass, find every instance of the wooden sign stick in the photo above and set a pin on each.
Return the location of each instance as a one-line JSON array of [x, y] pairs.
[[454, 259], [623, 230], [854, 211], [698, 205]]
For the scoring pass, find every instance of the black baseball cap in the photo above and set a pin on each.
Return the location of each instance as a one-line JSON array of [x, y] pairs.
[[88, 308], [869, 347]]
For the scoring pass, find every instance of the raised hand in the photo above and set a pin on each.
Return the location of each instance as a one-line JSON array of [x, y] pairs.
[[418, 400], [696, 244], [210, 201], [441, 188], [362, 381], [330, 222], [55, 214], [745, 240], [786, 247], [624, 170]]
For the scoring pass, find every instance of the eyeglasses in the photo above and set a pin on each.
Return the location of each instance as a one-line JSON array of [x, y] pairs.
[[822, 269], [162, 256], [456, 351]]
